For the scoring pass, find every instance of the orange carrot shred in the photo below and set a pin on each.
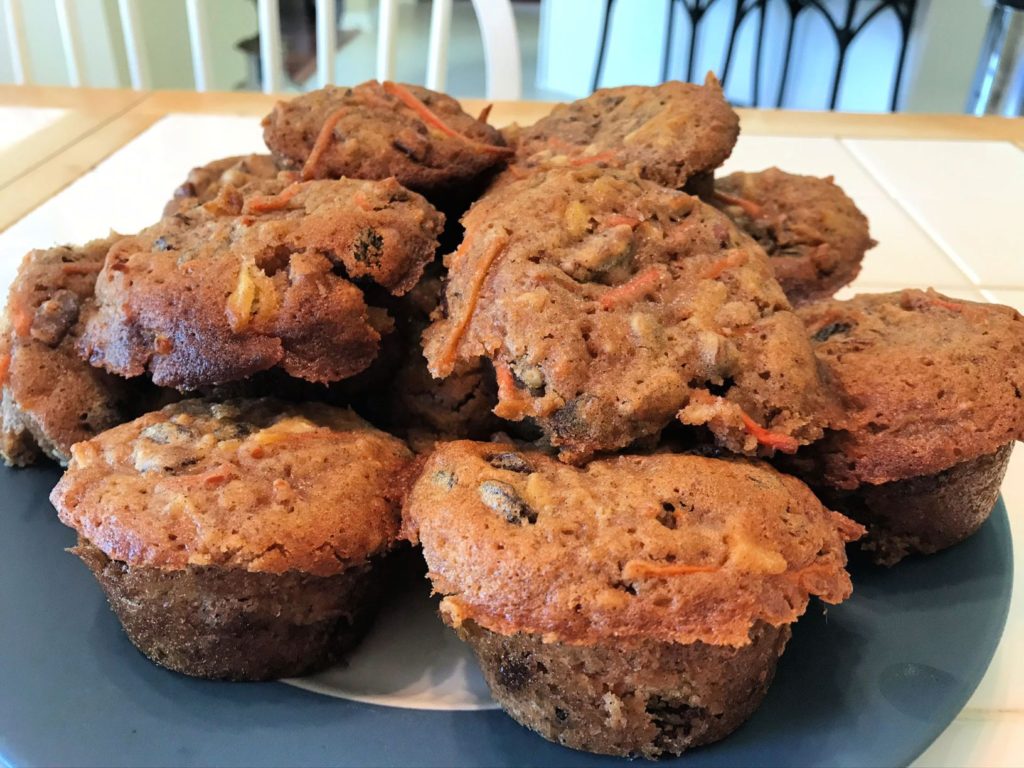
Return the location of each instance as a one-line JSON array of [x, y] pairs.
[[447, 358], [642, 569], [618, 219], [323, 140], [424, 112], [749, 207], [485, 113], [784, 443], [5, 368], [732, 260], [269, 203], [21, 320], [952, 306], [641, 283], [79, 268]]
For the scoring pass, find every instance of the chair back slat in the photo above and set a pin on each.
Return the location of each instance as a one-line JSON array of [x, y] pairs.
[[326, 41], [440, 35], [199, 42], [18, 42], [501, 48], [269, 18], [387, 22], [71, 41], [134, 44]]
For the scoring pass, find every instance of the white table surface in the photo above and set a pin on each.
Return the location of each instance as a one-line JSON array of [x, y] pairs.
[[17, 123], [945, 214]]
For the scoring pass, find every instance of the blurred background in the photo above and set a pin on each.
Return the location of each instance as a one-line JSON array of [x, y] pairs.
[[851, 55]]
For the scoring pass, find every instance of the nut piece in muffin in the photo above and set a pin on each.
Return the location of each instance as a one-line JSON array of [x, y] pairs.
[[813, 233], [636, 606], [257, 278], [610, 305], [667, 133], [237, 540], [932, 393], [51, 397], [382, 130], [205, 182]]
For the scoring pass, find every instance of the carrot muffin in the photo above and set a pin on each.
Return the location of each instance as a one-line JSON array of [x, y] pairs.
[[260, 277], [667, 133], [237, 540], [815, 235], [636, 606], [205, 181], [381, 130], [51, 397], [610, 305], [932, 399]]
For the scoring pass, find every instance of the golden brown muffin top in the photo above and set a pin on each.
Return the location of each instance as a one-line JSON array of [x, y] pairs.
[[671, 548], [609, 305], [49, 393], [379, 130], [205, 182], [259, 277], [927, 382], [254, 484], [813, 233], [666, 133]]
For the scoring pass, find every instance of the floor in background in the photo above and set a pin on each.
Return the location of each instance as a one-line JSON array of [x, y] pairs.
[[356, 60]]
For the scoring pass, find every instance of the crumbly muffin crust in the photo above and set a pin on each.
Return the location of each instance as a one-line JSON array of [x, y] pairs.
[[51, 397], [927, 382], [813, 233], [381, 130], [205, 182], [610, 305], [662, 548], [667, 133], [260, 277], [258, 485]]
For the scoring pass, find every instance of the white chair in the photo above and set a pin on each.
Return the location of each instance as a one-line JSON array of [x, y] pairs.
[[497, 26]]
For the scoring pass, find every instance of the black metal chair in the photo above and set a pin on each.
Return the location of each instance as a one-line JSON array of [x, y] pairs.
[[845, 22]]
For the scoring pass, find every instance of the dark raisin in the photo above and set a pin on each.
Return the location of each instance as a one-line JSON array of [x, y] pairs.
[[161, 244], [675, 721], [503, 499], [828, 331], [188, 189], [667, 515], [568, 422], [514, 674], [54, 317], [511, 462], [561, 715], [369, 246]]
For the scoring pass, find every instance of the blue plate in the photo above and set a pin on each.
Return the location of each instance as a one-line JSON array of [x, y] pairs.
[[871, 682]]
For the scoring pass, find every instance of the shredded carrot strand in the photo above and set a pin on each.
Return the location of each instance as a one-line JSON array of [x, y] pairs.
[[5, 368], [784, 443], [485, 113], [269, 203], [950, 305], [424, 112], [618, 219], [323, 140], [447, 358], [21, 320], [752, 209], [506, 382], [601, 157], [642, 569], [80, 268], [714, 271], [641, 283]]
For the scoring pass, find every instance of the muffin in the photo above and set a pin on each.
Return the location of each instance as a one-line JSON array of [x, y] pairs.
[[51, 398], [237, 540], [931, 388], [381, 130], [610, 306], [668, 133], [205, 182], [813, 233], [272, 274], [634, 607]]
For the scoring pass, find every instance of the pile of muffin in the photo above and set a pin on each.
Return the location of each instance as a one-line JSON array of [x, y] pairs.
[[613, 404]]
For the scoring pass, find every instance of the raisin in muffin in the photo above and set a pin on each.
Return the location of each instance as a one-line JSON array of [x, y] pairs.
[[260, 277], [205, 182], [610, 306], [668, 133], [813, 233], [239, 539], [932, 400], [51, 397], [382, 130], [636, 606]]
